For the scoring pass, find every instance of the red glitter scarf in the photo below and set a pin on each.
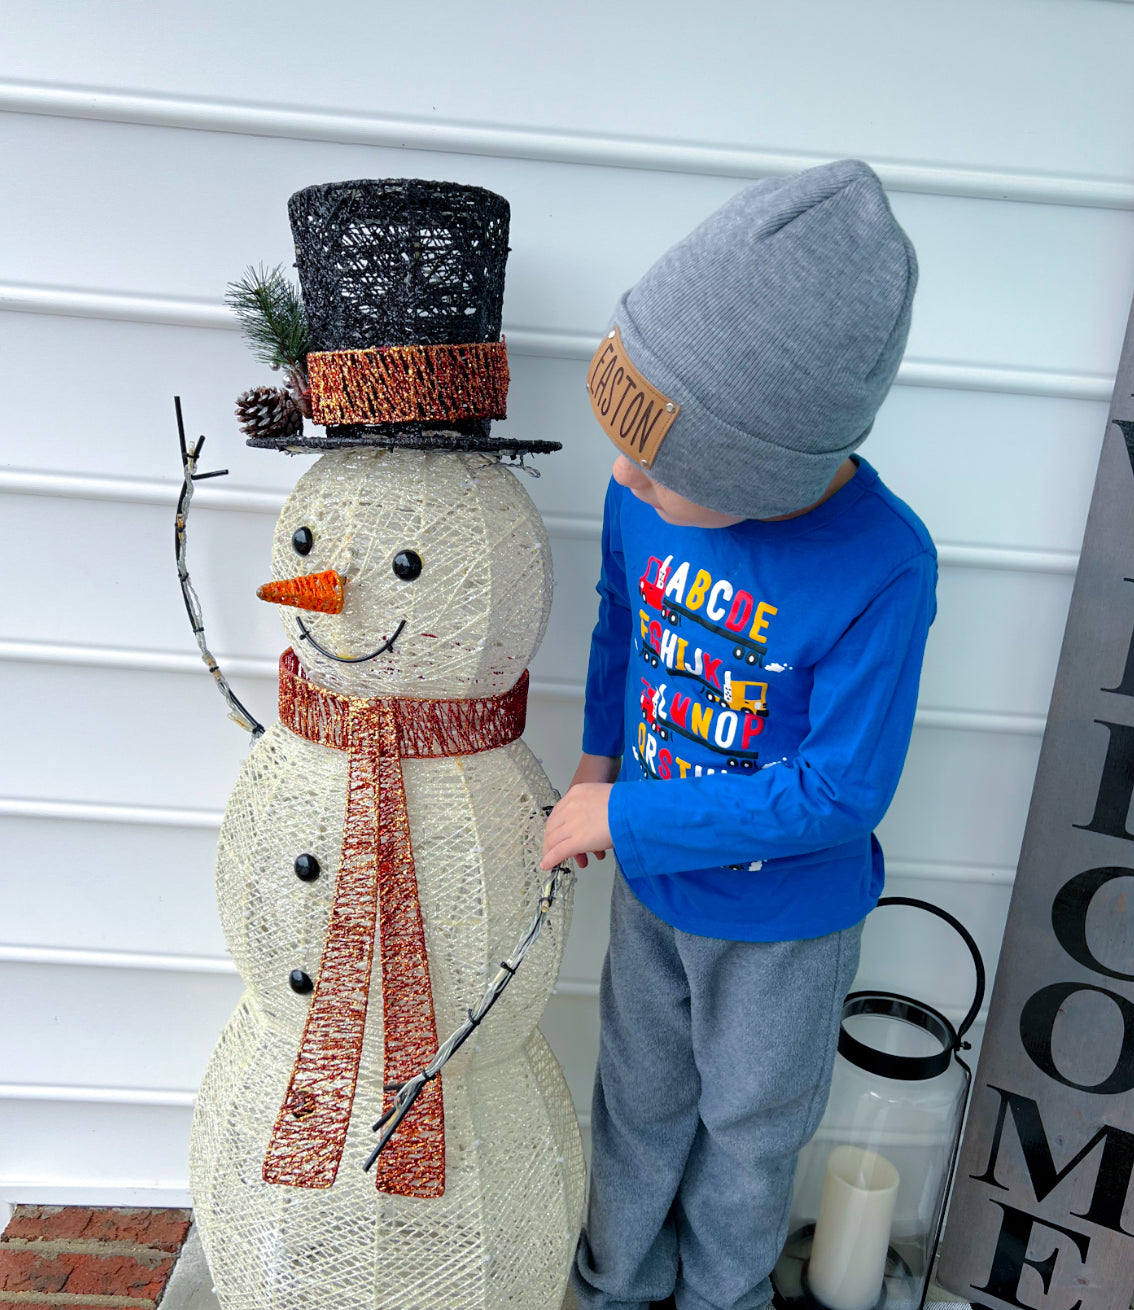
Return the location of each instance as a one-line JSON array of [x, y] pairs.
[[376, 887]]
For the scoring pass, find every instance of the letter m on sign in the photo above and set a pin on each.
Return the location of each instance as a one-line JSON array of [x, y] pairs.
[[1108, 1185]]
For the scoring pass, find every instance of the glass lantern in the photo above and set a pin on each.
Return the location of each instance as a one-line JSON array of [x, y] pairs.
[[870, 1187]]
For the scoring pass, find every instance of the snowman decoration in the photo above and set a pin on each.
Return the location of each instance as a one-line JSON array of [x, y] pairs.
[[379, 856]]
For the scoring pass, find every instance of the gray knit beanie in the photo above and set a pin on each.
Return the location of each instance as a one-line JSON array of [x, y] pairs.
[[750, 360]]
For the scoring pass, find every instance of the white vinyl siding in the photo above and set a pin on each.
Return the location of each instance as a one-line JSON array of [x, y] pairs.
[[149, 150]]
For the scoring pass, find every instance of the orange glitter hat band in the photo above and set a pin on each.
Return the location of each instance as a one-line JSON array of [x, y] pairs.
[[407, 384]]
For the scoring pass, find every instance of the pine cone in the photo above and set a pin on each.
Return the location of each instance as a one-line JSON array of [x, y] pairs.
[[269, 412]]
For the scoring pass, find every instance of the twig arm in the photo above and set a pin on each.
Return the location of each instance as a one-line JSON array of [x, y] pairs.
[[189, 457], [406, 1093]]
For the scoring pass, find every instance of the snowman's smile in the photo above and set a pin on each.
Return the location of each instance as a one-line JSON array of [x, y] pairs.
[[387, 645]]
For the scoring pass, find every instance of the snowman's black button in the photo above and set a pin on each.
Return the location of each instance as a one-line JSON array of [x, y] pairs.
[[407, 565], [306, 868], [300, 982], [302, 539]]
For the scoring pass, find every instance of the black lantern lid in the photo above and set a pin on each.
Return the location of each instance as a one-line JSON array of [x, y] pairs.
[[905, 1009]]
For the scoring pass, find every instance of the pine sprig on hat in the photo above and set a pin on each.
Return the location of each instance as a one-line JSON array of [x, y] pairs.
[[274, 323]]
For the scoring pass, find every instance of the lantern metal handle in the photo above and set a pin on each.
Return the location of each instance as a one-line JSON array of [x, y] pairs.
[[967, 937]]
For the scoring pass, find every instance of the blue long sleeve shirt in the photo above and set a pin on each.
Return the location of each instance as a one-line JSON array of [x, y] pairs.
[[760, 683]]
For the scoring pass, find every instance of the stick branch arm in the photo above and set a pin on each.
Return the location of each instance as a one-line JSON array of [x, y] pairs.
[[406, 1093], [189, 457]]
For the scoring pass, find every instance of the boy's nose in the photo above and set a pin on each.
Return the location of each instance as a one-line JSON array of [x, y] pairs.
[[310, 591], [629, 475]]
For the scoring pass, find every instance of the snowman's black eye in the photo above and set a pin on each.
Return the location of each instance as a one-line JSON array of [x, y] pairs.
[[407, 565], [302, 539]]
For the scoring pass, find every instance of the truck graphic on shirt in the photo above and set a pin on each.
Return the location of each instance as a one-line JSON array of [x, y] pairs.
[[672, 717], [729, 692], [657, 649], [651, 587]]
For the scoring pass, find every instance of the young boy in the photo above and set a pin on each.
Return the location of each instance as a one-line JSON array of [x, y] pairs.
[[764, 607]]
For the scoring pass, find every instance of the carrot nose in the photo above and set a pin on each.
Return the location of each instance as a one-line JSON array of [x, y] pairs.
[[310, 591]]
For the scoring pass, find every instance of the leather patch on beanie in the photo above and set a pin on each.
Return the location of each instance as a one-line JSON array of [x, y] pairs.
[[632, 412]]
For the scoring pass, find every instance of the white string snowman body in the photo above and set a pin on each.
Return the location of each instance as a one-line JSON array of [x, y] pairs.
[[445, 585]]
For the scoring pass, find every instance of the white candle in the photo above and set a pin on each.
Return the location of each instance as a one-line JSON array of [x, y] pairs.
[[852, 1231]]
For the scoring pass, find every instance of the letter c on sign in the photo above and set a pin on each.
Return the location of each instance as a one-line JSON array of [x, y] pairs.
[[1069, 913]]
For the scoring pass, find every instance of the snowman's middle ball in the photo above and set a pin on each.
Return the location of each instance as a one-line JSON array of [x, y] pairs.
[[448, 545]]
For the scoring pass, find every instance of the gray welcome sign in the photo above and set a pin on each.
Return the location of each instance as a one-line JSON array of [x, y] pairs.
[[1042, 1213]]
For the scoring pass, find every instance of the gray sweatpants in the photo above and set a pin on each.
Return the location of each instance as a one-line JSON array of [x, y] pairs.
[[715, 1059]]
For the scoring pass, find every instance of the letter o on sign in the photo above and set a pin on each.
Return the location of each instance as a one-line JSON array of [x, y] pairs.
[[1037, 1021]]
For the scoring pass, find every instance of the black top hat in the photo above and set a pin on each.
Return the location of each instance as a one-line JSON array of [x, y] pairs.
[[403, 283]]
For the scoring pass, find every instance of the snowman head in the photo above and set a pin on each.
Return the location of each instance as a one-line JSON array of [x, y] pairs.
[[438, 574]]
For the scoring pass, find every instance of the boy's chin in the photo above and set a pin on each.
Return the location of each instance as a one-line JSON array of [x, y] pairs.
[[673, 517], [665, 516]]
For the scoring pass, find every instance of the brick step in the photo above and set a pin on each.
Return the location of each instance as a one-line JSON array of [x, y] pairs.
[[89, 1257]]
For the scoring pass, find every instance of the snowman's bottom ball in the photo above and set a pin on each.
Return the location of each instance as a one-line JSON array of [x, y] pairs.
[[502, 1235]]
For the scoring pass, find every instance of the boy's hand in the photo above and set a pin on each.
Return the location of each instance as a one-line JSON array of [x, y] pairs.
[[577, 825]]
